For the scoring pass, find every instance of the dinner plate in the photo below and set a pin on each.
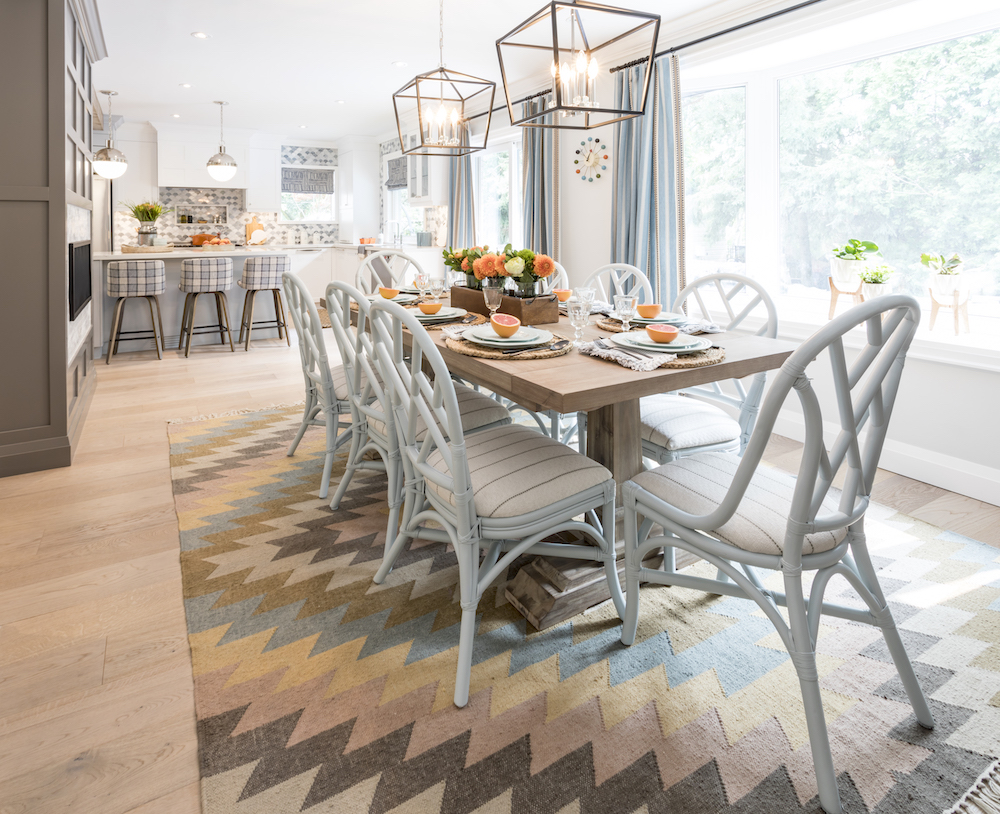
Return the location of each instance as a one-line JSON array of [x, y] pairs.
[[405, 289], [683, 343], [446, 314], [399, 298], [660, 319], [524, 338]]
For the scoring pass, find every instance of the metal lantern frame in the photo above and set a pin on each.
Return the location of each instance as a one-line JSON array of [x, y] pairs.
[[581, 118], [452, 88]]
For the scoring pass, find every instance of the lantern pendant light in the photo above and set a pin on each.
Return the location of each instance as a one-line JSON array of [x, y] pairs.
[[432, 109], [109, 162], [221, 166]]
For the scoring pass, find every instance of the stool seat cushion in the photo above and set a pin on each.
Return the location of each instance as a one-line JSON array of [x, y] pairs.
[[204, 274], [678, 422], [699, 483], [136, 278], [262, 273]]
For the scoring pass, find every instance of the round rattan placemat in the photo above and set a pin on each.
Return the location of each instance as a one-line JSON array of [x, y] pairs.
[[609, 324], [469, 349], [702, 358]]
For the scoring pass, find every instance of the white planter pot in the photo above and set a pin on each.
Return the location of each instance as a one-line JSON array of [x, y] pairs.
[[873, 290], [945, 285], [845, 273]]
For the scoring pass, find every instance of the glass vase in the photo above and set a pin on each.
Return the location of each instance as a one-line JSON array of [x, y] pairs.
[[472, 282], [526, 287]]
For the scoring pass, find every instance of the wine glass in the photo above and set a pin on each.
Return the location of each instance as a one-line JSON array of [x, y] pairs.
[[625, 309], [438, 286], [422, 282], [493, 293], [585, 295], [578, 312]]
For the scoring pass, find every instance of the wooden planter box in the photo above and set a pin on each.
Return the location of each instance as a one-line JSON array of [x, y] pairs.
[[536, 311]]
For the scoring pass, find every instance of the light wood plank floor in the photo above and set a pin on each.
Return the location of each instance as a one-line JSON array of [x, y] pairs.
[[96, 698]]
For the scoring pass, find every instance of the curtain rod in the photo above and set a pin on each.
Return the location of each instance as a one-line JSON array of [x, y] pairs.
[[675, 48]]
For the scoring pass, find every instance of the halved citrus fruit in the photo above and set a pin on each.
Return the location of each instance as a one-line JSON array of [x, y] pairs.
[[648, 310], [662, 333], [562, 294], [505, 325], [388, 293], [429, 307]]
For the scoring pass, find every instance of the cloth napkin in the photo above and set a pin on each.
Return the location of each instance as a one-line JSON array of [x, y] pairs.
[[634, 360], [696, 327], [597, 307]]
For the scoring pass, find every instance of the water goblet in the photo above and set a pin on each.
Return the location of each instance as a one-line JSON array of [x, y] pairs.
[[422, 282], [625, 305], [585, 295], [493, 293], [578, 312], [438, 286]]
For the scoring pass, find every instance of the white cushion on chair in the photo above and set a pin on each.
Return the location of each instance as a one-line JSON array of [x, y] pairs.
[[698, 484], [678, 422], [516, 470], [477, 409]]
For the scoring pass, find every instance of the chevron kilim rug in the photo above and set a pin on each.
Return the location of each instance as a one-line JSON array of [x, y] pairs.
[[318, 691]]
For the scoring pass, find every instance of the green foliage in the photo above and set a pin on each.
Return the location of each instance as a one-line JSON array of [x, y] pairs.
[[147, 211], [876, 274], [855, 250], [939, 265]]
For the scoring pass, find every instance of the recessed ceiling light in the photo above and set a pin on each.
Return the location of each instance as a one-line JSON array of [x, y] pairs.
[[199, 35], [303, 126], [399, 64], [185, 84], [340, 101], [177, 115]]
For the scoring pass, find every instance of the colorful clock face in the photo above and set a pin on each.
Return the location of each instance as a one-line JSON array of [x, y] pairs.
[[591, 159]]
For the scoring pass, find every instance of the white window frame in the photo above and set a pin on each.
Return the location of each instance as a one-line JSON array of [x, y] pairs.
[[502, 141], [336, 196]]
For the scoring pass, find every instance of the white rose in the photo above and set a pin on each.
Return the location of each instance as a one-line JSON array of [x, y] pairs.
[[514, 266]]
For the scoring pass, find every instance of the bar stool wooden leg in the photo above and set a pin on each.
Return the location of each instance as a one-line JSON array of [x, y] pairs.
[[279, 311], [218, 313], [243, 316], [248, 315], [156, 333], [222, 302], [184, 322], [190, 328], [115, 327], [159, 321]]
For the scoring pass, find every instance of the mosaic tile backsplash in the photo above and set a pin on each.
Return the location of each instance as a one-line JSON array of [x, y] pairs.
[[293, 156], [218, 201]]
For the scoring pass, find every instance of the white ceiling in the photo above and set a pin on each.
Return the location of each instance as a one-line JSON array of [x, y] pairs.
[[285, 63]]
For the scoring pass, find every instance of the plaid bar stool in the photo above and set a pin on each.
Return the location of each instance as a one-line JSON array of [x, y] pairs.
[[136, 278], [264, 274], [206, 275]]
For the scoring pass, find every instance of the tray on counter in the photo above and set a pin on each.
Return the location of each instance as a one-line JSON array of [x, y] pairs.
[[145, 249]]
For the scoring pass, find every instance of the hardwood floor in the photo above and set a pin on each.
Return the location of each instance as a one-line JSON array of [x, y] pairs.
[[96, 697]]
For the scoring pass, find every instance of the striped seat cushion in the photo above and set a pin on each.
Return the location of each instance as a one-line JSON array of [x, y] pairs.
[[206, 274], [516, 470], [698, 484], [340, 387], [477, 409], [678, 422], [136, 278], [262, 273]]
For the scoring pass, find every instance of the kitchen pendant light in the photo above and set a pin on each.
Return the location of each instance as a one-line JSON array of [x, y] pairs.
[[551, 61], [432, 109], [221, 166], [109, 162]]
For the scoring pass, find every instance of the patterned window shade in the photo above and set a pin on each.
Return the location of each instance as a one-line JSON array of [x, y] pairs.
[[397, 174], [318, 182]]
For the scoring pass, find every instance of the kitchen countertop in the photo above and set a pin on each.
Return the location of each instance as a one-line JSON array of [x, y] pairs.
[[244, 251]]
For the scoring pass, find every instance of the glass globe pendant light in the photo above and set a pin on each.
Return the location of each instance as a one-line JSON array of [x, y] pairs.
[[221, 166], [109, 162]]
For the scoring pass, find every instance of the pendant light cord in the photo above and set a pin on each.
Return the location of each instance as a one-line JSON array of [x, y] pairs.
[[441, 33], [222, 139]]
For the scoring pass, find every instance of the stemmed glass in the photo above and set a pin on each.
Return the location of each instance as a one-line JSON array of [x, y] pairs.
[[578, 312], [625, 309], [438, 287], [422, 282], [586, 296], [493, 293]]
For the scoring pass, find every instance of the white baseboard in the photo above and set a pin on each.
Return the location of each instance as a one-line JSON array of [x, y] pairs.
[[944, 471]]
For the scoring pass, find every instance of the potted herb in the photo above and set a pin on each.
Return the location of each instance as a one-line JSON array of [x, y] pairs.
[[875, 281], [848, 261], [946, 271], [147, 214]]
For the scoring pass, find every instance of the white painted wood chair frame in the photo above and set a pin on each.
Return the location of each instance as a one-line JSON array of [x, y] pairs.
[[367, 396], [875, 377], [620, 278], [421, 387], [401, 268], [322, 408], [746, 400]]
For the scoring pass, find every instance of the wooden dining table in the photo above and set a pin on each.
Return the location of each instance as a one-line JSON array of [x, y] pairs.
[[609, 394]]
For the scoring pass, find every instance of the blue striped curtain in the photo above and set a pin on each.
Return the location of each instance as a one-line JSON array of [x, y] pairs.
[[647, 216], [461, 204], [540, 184]]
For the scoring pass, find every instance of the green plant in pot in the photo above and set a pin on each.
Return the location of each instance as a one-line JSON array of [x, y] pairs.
[[875, 280], [945, 271], [147, 213], [848, 261]]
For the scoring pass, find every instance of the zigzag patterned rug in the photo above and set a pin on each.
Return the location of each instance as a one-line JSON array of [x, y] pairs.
[[318, 691]]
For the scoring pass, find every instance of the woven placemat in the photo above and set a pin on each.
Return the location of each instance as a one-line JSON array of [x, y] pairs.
[[609, 324], [702, 358], [479, 320], [470, 349]]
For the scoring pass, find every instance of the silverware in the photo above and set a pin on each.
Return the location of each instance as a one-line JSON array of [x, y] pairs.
[[635, 354], [562, 343]]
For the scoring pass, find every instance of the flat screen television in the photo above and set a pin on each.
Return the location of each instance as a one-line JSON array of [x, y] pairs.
[[79, 277]]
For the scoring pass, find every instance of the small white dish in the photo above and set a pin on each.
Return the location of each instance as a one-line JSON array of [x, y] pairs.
[[682, 344]]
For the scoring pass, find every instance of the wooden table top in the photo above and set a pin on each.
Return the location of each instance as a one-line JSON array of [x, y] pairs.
[[578, 383]]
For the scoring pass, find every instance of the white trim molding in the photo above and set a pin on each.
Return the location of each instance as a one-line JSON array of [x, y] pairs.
[[89, 20]]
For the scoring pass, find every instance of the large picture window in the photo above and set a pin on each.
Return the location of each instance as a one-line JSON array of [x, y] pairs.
[[497, 183], [308, 195]]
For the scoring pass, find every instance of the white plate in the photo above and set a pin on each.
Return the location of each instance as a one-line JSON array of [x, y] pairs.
[[661, 319], [683, 343], [399, 298], [524, 338], [446, 314]]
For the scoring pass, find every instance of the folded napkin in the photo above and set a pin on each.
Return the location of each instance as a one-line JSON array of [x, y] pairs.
[[696, 327], [632, 359], [454, 331]]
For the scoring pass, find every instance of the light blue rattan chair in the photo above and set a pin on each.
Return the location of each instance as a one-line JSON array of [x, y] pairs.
[[617, 278], [741, 517], [504, 489], [389, 268]]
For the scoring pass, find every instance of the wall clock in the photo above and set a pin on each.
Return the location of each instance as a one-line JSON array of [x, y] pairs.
[[591, 159]]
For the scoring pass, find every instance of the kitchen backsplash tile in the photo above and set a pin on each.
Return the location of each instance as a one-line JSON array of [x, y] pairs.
[[237, 217], [292, 156]]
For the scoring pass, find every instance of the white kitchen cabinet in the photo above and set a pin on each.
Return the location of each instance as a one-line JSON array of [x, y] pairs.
[[183, 164], [263, 179], [346, 262], [426, 179], [314, 266], [139, 183]]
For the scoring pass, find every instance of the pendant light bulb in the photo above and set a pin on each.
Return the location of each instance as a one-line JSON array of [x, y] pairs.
[[109, 162], [221, 166]]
